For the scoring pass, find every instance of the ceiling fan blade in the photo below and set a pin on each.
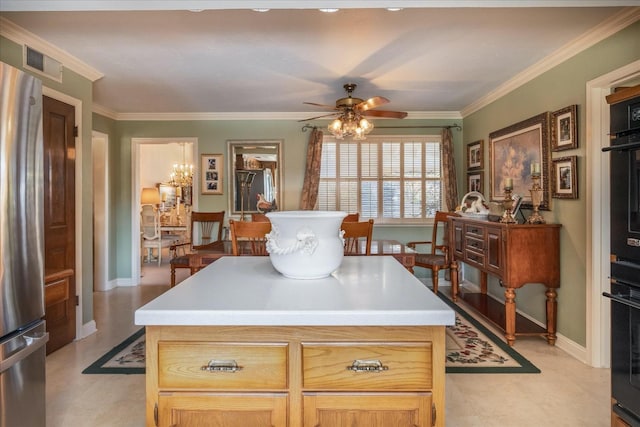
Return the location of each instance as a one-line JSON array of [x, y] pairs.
[[319, 117], [370, 103], [385, 114], [328, 107]]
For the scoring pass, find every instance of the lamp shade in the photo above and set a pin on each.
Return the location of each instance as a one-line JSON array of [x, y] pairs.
[[150, 196]]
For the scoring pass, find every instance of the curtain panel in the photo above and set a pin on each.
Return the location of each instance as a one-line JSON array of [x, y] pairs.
[[449, 170], [311, 183]]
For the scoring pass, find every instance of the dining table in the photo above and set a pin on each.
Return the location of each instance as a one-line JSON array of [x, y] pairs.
[[379, 247]]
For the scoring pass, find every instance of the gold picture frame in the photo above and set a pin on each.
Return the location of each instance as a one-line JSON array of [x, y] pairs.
[[211, 173], [475, 157], [475, 182], [565, 177], [513, 153], [564, 129]]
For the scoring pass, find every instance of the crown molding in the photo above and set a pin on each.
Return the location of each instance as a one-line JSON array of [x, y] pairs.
[[607, 28], [425, 115], [197, 5], [23, 37], [104, 111]]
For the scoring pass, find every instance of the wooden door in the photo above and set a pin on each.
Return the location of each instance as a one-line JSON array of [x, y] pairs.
[[222, 410], [59, 219], [373, 410]]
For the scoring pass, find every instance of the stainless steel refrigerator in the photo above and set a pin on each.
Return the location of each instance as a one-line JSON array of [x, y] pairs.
[[22, 330]]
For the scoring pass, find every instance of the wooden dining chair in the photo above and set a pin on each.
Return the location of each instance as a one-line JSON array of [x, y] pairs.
[[437, 258], [259, 217], [353, 217], [248, 238], [354, 233], [152, 237], [206, 234]]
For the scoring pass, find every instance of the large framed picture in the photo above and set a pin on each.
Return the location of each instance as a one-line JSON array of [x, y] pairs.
[[211, 173], [565, 183], [474, 155], [515, 151], [564, 129]]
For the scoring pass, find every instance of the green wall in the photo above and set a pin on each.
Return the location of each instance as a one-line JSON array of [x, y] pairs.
[[212, 138], [79, 88], [557, 88]]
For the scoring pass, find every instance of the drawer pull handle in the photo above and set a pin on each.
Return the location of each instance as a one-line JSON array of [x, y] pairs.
[[222, 366], [367, 366]]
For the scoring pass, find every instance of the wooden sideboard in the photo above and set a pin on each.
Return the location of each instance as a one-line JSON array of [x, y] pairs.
[[515, 253]]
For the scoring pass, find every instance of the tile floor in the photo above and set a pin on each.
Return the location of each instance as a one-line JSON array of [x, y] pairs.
[[566, 393]]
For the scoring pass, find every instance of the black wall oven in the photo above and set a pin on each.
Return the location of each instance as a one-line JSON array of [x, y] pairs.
[[625, 259]]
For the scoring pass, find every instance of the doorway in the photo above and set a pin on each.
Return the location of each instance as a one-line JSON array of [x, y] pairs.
[[152, 162], [598, 267], [100, 163]]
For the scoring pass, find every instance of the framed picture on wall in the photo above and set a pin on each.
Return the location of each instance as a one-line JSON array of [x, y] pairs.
[[514, 153], [564, 129], [211, 173], [474, 155], [474, 182], [565, 184]]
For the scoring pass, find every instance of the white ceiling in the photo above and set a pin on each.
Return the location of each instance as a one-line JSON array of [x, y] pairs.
[[424, 59]]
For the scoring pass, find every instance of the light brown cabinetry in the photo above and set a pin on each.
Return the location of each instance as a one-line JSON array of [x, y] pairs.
[[295, 376], [517, 254]]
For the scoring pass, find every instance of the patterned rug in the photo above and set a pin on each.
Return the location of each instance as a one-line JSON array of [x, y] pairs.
[[471, 348]]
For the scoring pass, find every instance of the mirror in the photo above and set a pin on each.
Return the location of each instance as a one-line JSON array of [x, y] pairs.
[[255, 176]]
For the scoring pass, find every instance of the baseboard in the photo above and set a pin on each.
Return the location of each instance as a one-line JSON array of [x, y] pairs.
[[125, 282], [87, 329]]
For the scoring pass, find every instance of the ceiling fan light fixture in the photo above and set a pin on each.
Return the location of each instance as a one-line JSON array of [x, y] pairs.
[[350, 125]]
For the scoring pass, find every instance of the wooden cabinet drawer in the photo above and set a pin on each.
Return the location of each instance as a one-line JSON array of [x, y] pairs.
[[259, 366], [474, 258], [474, 230], [352, 366]]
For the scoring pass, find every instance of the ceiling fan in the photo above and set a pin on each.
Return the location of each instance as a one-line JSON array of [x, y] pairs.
[[357, 105], [350, 114]]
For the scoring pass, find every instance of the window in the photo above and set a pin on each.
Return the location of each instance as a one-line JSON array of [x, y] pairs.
[[388, 178]]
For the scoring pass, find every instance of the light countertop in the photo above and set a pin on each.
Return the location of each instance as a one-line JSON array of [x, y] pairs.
[[364, 291]]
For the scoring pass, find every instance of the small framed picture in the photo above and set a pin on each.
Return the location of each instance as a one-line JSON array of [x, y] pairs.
[[474, 155], [474, 182], [211, 173], [565, 183], [564, 132]]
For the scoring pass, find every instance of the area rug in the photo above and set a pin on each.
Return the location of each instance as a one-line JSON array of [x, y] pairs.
[[471, 349], [474, 349]]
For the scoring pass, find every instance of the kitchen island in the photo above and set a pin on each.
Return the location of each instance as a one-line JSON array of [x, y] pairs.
[[238, 344]]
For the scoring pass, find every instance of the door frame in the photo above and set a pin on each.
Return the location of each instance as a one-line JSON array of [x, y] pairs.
[[598, 262], [100, 145], [135, 193]]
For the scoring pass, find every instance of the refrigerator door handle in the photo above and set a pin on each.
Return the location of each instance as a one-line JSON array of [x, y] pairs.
[[33, 342]]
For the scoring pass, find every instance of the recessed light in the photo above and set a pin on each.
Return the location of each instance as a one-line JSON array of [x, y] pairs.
[[328, 10], [261, 10], [394, 9]]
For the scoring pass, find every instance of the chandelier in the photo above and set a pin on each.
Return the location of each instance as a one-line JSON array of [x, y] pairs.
[[182, 174], [350, 123]]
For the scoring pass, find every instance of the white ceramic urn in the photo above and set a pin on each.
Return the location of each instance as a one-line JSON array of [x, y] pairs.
[[306, 244]]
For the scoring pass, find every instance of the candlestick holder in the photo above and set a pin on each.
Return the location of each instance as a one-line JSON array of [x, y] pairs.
[[536, 199], [507, 217]]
